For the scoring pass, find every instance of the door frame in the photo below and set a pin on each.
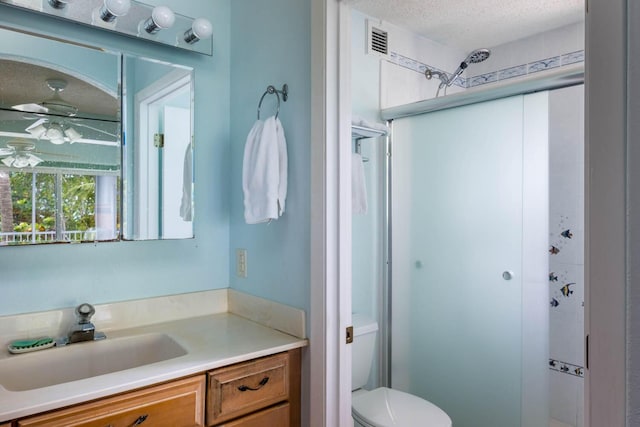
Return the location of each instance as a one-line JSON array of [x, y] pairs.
[[147, 101], [607, 195], [330, 357]]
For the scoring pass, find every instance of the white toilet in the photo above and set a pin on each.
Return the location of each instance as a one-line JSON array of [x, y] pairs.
[[384, 407]]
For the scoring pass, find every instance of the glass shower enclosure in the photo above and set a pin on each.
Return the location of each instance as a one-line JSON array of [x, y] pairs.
[[468, 238]]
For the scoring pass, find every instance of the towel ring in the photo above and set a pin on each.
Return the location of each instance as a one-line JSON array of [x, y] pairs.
[[270, 91]]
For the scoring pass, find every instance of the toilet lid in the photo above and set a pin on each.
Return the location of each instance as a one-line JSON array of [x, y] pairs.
[[385, 407]]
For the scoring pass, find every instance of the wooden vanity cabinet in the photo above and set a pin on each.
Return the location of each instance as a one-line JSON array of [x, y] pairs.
[[174, 404], [260, 392], [263, 392]]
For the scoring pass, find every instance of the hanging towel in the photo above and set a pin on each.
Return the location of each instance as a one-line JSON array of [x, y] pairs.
[[186, 204], [358, 185], [264, 175]]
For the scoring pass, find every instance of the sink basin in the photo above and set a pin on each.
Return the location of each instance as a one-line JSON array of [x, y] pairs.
[[84, 360]]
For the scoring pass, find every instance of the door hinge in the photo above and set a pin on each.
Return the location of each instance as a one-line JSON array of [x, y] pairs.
[[158, 140], [349, 334]]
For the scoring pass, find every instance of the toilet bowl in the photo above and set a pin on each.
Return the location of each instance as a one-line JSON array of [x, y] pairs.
[[384, 407]]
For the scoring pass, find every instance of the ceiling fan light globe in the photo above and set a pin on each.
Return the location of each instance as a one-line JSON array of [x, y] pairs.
[[34, 161], [37, 131], [72, 134], [20, 162], [8, 161], [54, 133]]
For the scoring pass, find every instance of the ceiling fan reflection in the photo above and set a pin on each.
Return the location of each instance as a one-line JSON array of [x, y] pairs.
[[21, 154], [60, 131], [54, 105]]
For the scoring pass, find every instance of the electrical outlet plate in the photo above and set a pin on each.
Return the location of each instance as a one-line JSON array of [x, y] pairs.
[[241, 263]]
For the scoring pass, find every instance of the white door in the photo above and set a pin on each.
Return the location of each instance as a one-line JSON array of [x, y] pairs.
[[175, 160]]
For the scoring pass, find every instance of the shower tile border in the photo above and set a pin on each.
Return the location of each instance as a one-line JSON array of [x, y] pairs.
[[492, 76], [566, 368], [420, 67]]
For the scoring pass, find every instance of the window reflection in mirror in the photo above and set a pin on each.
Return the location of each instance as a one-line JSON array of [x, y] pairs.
[[59, 141], [158, 153]]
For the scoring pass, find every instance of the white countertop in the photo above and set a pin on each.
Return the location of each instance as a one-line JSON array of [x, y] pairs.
[[211, 341]]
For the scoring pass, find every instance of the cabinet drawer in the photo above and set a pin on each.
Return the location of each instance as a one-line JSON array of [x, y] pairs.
[[176, 404], [276, 416], [246, 387]]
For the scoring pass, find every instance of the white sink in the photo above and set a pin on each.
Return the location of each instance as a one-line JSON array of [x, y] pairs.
[[84, 360]]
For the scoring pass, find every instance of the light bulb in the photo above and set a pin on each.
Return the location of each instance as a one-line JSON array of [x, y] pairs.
[[200, 29], [161, 18], [111, 9]]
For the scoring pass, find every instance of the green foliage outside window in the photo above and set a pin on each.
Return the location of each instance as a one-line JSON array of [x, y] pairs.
[[78, 201]]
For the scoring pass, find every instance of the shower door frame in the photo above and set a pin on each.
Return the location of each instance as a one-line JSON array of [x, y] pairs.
[[531, 212]]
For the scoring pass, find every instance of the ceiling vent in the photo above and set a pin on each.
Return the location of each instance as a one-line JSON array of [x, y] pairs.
[[377, 39]]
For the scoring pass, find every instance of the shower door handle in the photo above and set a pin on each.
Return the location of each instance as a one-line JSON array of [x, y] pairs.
[[507, 275]]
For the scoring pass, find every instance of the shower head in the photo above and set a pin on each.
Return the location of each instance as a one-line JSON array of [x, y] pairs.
[[477, 56], [474, 57]]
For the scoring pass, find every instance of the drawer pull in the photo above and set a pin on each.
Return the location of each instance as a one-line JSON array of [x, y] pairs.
[[260, 385], [140, 420]]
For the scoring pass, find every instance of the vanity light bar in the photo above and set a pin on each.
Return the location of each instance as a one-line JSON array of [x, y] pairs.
[[158, 24]]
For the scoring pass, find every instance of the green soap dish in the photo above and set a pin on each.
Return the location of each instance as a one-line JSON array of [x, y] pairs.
[[26, 346]]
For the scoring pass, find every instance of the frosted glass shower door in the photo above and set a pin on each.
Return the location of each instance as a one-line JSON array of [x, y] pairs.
[[457, 236]]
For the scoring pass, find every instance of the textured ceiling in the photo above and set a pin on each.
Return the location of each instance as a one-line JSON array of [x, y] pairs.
[[24, 83], [470, 24]]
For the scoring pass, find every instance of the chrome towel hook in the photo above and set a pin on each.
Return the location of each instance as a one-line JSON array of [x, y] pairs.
[[271, 90]]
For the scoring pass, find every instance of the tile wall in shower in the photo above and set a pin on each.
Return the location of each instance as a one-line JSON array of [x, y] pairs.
[[566, 255]]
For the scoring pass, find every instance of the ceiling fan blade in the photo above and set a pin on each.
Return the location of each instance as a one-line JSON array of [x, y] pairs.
[[80, 124], [55, 155], [36, 124], [6, 151], [31, 108]]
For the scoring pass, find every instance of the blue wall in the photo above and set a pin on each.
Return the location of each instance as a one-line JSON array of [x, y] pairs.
[[271, 45], [251, 51], [45, 277]]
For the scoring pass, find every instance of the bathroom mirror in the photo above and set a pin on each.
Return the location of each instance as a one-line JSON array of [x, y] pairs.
[[59, 141], [65, 175]]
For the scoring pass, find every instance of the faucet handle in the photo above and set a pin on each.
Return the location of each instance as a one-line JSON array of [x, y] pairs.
[[84, 312]]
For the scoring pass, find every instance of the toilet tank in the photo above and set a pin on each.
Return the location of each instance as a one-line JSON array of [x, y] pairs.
[[362, 350]]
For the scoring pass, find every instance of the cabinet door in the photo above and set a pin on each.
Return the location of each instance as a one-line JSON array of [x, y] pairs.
[[175, 404], [276, 416]]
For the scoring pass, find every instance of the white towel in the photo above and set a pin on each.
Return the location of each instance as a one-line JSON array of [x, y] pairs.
[[264, 175], [358, 185], [186, 204]]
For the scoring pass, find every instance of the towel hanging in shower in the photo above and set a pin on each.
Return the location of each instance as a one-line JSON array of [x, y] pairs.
[[358, 185]]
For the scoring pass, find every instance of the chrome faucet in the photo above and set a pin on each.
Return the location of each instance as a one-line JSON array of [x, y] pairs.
[[83, 330]]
